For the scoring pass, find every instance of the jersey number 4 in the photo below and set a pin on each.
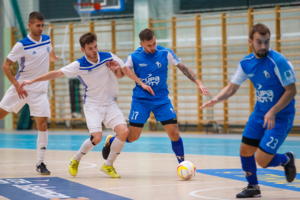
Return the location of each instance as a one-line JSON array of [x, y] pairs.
[[134, 115]]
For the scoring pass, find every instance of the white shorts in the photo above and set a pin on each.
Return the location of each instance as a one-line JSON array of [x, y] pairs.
[[110, 115], [37, 101]]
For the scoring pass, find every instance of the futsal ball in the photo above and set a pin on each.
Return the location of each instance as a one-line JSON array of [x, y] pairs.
[[186, 170]]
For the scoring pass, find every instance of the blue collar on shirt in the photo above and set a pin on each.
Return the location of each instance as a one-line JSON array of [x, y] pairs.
[[103, 58]]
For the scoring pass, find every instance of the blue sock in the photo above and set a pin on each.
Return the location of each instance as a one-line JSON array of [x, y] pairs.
[[278, 160], [249, 168], [178, 150], [113, 138]]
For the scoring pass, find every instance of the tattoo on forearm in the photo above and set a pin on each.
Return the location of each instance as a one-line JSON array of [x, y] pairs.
[[188, 72], [8, 61]]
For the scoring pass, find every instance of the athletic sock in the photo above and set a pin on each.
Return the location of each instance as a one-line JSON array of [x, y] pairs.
[[42, 141], [115, 149], [84, 149], [249, 168], [278, 160], [177, 147]]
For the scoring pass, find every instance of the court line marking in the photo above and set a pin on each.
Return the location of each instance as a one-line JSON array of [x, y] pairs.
[[164, 185], [92, 165], [195, 195]]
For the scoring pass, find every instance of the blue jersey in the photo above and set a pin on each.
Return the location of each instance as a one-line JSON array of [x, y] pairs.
[[152, 69], [269, 76]]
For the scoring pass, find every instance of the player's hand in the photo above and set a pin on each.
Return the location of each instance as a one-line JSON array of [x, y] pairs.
[[21, 91], [210, 103], [113, 65], [203, 90], [148, 88], [54, 58], [269, 120]]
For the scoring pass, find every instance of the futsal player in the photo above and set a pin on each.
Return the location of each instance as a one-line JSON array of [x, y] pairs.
[[269, 124], [150, 64], [33, 54], [101, 91]]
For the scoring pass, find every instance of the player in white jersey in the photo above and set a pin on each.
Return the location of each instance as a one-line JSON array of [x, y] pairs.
[[272, 119], [32, 54], [101, 91]]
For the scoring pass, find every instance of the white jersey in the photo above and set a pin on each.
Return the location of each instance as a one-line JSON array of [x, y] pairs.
[[101, 85], [33, 60]]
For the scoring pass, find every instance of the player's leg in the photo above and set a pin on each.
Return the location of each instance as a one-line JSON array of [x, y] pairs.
[[11, 102], [115, 120], [139, 113], [3, 113], [94, 116], [251, 138], [164, 112], [40, 109], [42, 141], [266, 155]]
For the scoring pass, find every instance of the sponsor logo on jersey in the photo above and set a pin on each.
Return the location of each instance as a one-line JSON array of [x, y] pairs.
[[172, 110], [250, 75], [158, 64], [34, 52], [142, 64], [264, 96], [266, 73], [259, 86], [151, 80]]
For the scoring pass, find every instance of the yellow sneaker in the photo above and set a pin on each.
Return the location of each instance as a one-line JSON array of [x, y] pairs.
[[73, 167], [106, 148], [110, 170]]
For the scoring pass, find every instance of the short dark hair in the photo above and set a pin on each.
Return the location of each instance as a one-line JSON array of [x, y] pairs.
[[260, 28], [87, 38], [146, 34], [35, 15]]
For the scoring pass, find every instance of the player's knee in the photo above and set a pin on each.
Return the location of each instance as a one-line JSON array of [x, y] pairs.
[[122, 135], [95, 139], [261, 161]]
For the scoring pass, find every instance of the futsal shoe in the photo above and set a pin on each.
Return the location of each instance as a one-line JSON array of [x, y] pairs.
[[249, 192], [42, 169], [106, 148], [73, 167], [110, 170], [290, 168]]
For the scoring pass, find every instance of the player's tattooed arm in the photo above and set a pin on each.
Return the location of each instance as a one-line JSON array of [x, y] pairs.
[[8, 62], [193, 77], [187, 72]]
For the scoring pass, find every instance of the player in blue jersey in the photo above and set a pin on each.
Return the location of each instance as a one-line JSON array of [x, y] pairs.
[[269, 124], [150, 64], [33, 54]]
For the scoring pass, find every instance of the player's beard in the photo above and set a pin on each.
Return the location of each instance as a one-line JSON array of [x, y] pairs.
[[261, 54]]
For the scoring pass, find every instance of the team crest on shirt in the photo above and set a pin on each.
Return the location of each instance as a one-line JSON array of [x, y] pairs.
[[288, 74], [48, 49], [266, 73], [158, 64]]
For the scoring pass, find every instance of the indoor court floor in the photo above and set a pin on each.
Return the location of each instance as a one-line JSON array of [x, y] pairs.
[[147, 168]]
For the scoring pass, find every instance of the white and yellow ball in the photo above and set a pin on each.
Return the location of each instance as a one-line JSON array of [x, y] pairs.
[[186, 170]]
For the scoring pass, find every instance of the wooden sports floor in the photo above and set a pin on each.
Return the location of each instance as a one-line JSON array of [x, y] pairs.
[[147, 168]]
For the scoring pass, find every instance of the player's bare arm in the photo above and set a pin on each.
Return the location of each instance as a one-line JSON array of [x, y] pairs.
[[45, 77], [286, 98], [8, 72], [128, 72], [225, 93], [52, 56], [193, 77], [115, 67]]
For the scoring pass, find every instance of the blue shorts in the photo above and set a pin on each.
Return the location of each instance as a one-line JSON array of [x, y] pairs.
[[270, 140], [141, 109]]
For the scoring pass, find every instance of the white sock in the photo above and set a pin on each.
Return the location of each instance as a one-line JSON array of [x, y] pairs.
[[42, 141], [115, 149], [84, 149]]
